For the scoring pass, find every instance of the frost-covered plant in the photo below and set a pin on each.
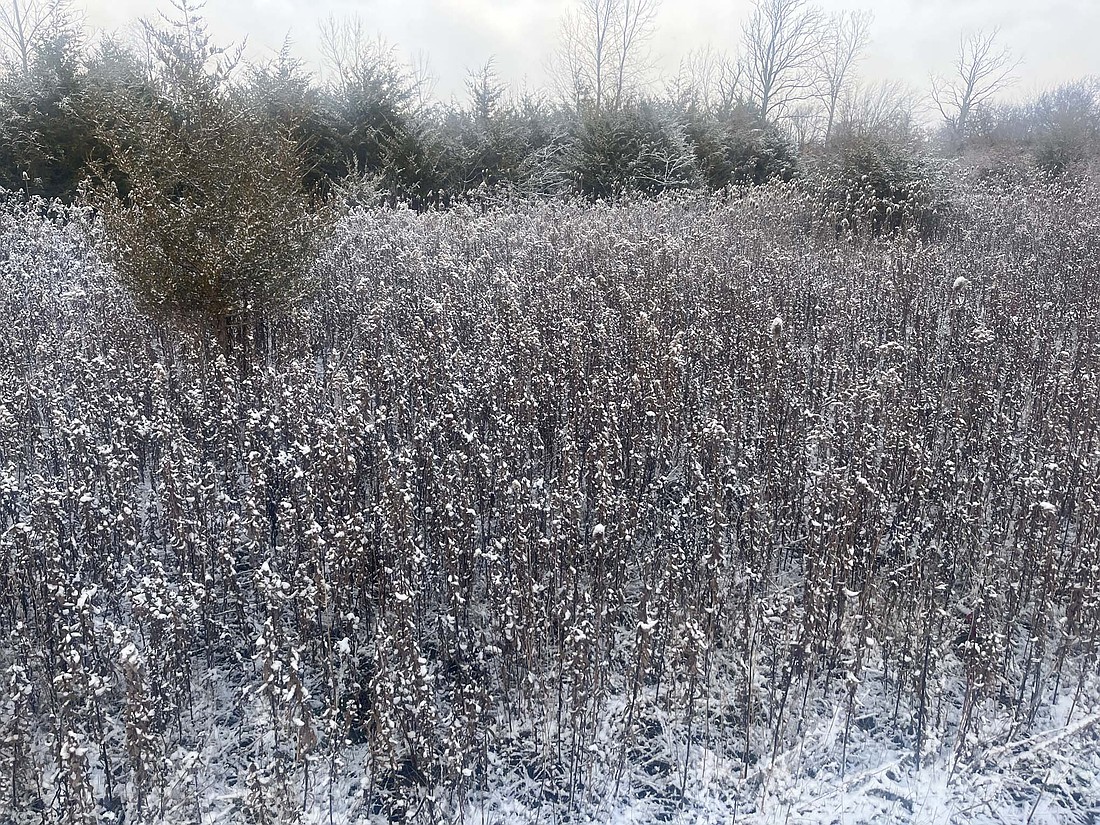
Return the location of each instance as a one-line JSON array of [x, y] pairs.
[[868, 184], [630, 149], [537, 504]]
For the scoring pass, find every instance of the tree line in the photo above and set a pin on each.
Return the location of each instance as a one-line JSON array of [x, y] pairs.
[[788, 102]]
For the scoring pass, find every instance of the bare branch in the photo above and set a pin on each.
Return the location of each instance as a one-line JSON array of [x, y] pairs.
[[883, 110], [845, 39], [635, 27], [602, 52], [708, 81], [982, 68], [780, 42]]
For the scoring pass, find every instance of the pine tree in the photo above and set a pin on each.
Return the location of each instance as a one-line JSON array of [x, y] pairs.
[[202, 195]]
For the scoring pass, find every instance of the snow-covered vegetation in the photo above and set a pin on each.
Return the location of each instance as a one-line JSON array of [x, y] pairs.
[[685, 510]]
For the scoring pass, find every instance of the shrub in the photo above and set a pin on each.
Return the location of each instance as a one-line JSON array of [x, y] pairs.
[[740, 154], [202, 198], [1067, 125], [879, 187], [625, 150], [416, 167], [44, 137]]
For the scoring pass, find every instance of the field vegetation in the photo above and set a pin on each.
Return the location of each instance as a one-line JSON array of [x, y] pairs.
[[728, 452], [692, 508]]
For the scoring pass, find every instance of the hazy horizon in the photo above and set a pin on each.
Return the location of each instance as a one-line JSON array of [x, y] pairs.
[[909, 39]]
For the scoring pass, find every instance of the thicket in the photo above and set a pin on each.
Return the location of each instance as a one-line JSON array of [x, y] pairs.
[[556, 505], [371, 132], [876, 185]]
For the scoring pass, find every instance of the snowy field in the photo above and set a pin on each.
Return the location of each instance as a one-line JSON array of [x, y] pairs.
[[687, 512]]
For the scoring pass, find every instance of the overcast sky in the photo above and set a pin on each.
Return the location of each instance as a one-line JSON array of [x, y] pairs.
[[910, 38]]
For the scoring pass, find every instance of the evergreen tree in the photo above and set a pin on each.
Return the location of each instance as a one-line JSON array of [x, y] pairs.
[[45, 137], [213, 226]]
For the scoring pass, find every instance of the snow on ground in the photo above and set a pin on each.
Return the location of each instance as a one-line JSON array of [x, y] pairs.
[[999, 776]]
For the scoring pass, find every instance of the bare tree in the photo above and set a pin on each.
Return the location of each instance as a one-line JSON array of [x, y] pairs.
[[983, 67], [708, 81], [802, 123], [137, 40], [602, 52], [26, 24], [346, 48], [583, 57], [843, 42], [354, 60], [1065, 124], [884, 109], [780, 42], [634, 27], [423, 78]]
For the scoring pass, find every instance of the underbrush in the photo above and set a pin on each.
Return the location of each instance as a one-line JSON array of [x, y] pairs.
[[662, 511]]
